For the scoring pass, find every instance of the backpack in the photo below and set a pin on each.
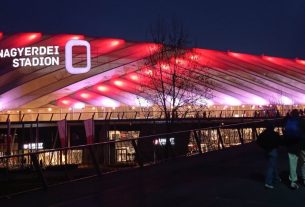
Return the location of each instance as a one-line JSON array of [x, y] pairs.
[[293, 129]]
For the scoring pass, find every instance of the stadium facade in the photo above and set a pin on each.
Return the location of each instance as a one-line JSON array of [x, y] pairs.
[[41, 73], [49, 80]]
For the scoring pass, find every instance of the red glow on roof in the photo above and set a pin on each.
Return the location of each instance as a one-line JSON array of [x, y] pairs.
[[153, 47], [180, 61], [103, 46], [134, 77], [77, 37], [132, 85], [84, 95], [62, 39], [164, 66], [66, 102], [148, 72], [235, 54], [271, 59], [20, 40], [112, 92], [102, 88], [1, 35], [118, 83], [144, 49], [276, 60], [33, 36], [200, 56], [115, 43], [302, 62], [242, 56], [194, 57]]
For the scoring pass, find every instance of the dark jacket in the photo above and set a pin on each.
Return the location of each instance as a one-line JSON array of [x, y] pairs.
[[269, 139], [297, 142], [302, 142]]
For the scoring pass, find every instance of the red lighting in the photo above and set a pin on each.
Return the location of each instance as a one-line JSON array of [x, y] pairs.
[[271, 59], [66, 102], [275, 60], [149, 72], [102, 88], [302, 62], [1, 35], [134, 77], [152, 48], [103, 46], [20, 40], [164, 66], [240, 56], [144, 49], [118, 83], [194, 57], [62, 39], [234, 54], [77, 37], [33, 36], [180, 61], [115, 43], [84, 95]]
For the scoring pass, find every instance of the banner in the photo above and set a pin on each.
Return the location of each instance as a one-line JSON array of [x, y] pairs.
[[89, 128], [62, 131]]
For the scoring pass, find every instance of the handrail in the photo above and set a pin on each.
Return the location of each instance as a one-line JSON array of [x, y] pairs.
[[135, 114], [142, 137]]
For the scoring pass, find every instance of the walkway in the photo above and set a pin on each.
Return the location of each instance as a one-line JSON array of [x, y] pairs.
[[232, 177]]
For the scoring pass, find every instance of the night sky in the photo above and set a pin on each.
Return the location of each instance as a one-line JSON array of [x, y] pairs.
[[270, 27]]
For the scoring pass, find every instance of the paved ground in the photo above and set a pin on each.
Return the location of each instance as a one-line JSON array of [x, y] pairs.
[[232, 177]]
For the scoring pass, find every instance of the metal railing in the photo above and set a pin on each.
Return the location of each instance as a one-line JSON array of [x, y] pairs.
[[41, 169], [117, 115]]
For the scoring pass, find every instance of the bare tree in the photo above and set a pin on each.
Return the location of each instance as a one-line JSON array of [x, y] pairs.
[[281, 103], [173, 79]]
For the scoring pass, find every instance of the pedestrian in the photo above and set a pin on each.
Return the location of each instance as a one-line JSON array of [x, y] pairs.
[[41, 163], [295, 142], [301, 112], [302, 149], [277, 113], [302, 153], [270, 140]]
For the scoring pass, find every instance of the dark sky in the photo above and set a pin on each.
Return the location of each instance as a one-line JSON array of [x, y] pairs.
[[272, 27]]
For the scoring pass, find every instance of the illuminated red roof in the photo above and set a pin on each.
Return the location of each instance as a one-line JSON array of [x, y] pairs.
[[113, 79]]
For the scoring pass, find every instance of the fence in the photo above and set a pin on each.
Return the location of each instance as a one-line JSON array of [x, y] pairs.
[[112, 115], [41, 169]]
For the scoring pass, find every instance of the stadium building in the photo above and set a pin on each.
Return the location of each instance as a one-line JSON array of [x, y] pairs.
[[43, 73], [48, 78]]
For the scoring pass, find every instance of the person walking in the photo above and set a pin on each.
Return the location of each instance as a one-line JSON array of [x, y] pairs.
[[270, 140], [302, 148], [295, 143]]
